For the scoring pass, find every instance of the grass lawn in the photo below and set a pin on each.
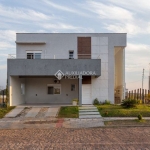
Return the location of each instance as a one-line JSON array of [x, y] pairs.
[[4, 111], [127, 122], [119, 111], [68, 112]]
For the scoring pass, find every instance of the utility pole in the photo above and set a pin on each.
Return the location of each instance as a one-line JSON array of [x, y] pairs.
[[149, 78], [142, 84]]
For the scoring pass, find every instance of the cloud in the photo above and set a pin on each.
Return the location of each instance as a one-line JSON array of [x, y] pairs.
[[108, 11], [64, 8], [22, 14], [121, 16], [6, 45], [3, 67], [131, 47], [137, 57], [132, 28], [66, 27], [138, 6]]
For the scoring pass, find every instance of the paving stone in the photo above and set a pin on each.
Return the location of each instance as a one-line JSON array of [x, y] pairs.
[[77, 139], [52, 112], [14, 112], [33, 112]]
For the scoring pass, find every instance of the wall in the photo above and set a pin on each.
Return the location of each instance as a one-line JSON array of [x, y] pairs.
[[15, 91], [100, 84], [39, 86], [119, 72]]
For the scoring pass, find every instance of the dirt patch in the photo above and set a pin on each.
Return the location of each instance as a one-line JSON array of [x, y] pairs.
[[24, 112], [42, 112], [41, 122]]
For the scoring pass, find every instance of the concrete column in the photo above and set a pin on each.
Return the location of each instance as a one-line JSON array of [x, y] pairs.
[[80, 90]]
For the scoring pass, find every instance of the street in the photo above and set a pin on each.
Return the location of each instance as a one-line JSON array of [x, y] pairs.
[[74, 139]]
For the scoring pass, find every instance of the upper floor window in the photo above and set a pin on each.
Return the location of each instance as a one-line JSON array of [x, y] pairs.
[[33, 55], [71, 53]]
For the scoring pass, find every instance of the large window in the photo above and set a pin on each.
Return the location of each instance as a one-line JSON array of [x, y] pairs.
[[33, 54], [54, 89]]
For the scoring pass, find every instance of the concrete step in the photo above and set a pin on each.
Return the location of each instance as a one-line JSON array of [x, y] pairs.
[[87, 110], [14, 112], [88, 113], [89, 116], [33, 112], [82, 108]]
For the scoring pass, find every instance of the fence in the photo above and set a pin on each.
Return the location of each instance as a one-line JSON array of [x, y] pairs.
[[2, 99], [139, 94]]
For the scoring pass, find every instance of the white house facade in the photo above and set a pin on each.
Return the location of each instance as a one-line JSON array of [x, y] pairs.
[[55, 68]]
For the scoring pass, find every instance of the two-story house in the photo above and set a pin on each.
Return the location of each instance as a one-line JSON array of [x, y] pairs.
[[55, 68]]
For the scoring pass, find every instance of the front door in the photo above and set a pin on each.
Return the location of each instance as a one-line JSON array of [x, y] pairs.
[[86, 94]]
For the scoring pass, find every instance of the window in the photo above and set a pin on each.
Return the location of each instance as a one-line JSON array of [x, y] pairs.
[[57, 90], [33, 54], [73, 87], [54, 89], [30, 55], [71, 54], [50, 90], [22, 88]]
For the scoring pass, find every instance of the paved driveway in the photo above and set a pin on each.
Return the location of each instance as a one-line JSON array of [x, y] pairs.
[[77, 139]]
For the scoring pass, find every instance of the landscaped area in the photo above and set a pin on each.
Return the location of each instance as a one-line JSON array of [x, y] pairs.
[[108, 111], [4, 111], [127, 123], [68, 112], [119, 111]]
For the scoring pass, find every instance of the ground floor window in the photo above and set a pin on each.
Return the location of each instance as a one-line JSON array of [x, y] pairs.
[[73, 87], [54, 88], [22, 88]]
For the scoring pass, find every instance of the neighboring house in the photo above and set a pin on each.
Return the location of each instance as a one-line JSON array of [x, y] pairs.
[[55, 68]]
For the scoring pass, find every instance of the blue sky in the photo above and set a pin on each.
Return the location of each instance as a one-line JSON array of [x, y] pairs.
[[102, 16]]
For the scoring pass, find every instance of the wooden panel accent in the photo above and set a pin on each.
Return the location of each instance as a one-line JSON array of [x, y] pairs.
[[86, 79], [84, 47]]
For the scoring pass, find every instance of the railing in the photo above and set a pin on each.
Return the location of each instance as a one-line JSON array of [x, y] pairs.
[[58, 56]]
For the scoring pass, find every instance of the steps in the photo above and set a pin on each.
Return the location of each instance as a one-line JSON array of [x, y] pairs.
[[89, 112]]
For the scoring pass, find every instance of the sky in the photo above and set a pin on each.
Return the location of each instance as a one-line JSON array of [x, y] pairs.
[[81, 16]]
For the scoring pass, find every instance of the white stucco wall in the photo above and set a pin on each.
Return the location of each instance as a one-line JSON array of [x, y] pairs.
[[16, 97], [100, 84]]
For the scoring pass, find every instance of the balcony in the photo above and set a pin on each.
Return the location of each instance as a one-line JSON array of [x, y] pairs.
[[48, 67]]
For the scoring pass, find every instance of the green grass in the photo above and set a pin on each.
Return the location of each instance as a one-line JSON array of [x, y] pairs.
[[4, 111], [119, 111], [127, 122], [68, 112]]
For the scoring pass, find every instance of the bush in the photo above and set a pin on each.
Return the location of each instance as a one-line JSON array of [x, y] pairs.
[[129, 103], [139, 117], [95, 102], [107, 102]]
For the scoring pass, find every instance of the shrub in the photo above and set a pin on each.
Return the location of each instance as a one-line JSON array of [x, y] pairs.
[[129, 103], [95, 102], [139, 117], [107, 102]]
